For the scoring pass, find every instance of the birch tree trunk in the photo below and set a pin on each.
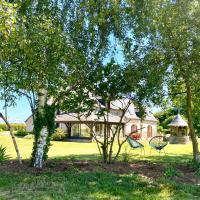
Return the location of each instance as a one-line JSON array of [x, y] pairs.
[[13, 138], [41, 142], [41, 145]]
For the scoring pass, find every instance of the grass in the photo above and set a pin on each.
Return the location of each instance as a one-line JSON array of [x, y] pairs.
[[77, 185], [175, 153], [58, 149], [99, 185]]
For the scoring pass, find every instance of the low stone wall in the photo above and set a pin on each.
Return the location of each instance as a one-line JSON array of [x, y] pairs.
[[179, 139]]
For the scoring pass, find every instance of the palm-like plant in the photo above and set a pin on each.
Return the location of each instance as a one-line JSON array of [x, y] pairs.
[[3, 155]]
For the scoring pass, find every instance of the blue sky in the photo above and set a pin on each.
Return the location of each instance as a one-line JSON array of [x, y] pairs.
[[18, 113]]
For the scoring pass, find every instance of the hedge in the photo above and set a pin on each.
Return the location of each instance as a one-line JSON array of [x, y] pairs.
[[21, 133], [15, 127]]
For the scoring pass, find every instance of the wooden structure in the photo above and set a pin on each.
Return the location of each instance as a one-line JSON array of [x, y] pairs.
[[179, 131]]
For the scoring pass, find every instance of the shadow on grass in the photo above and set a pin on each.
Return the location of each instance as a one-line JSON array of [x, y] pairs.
[[180, 158], [172, 158], [78, 157], [87, 185]]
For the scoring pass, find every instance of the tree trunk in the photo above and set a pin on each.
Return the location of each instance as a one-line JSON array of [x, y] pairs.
[[105, 145], [41, 145], [69, 129], [196, 154], [41, 142], [13, 137]]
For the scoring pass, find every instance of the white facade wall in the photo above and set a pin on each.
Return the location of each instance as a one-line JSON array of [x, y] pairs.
[[29, 124], [63, 127], [127, 127], [145, 125]]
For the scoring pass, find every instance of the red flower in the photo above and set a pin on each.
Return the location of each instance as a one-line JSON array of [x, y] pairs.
[[136, 136]]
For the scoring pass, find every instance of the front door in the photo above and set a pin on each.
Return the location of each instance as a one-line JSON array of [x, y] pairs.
[[149, 131]]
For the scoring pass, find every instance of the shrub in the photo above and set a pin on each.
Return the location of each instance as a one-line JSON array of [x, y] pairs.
[[170, 172], [126, 156], [1, 130], [21, 133], [160, 129], [3, 155], [59, 135], [3, 127]]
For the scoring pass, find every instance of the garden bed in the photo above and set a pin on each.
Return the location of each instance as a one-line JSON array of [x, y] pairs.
[[184, 173]]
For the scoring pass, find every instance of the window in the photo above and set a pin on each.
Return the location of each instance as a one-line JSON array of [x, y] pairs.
[[97, 128], [134, 128]]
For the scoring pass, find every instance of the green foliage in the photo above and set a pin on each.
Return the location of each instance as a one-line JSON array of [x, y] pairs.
[[15, 127], [161, 130], [96, 33], [21, 133], [18, 127], [81, 45], [44, 118], [58, 135], [74, 184], [8, 19], [126, 156], [170, 172], [178, 101], [168, 37], [165, 117], [195, 166], [3, 155], [166, 122]]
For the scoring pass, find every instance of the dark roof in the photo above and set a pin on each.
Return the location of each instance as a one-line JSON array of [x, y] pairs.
[[178, 121]]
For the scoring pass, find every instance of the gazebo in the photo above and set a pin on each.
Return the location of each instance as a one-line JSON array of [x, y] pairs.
[[179, 131]]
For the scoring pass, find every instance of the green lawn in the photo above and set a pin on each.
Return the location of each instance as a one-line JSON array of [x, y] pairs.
[[175, 153], [74, 184]]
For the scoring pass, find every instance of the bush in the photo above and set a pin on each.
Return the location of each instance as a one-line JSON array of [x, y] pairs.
[[170, 172], [3, 155], [59, 135], [1, 130], [21, 133], [3, 127], [162, 130]]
